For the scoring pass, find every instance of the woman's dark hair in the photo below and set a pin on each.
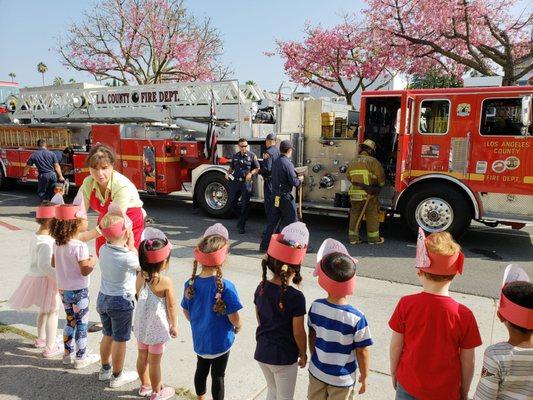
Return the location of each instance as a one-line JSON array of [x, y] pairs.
[[100, 154], [338, 266], [151, 271], [64, 230], [284, 271], [520, 293]]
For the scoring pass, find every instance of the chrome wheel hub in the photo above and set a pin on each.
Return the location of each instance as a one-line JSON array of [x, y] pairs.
[[434, 215], [216, 196]]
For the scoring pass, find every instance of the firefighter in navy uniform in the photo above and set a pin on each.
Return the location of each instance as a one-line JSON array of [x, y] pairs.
[[271, 155], [367, 177], [243, 166], [284, 179]]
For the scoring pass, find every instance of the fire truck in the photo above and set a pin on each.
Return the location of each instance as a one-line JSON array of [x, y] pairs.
[[450, 155], [7, 89]]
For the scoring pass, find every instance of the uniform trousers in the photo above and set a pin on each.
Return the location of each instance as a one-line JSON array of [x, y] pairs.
[[45, 185], [282, 215], [372, 219], [242, 190]]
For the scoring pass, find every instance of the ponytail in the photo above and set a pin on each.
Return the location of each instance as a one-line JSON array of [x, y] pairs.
[[189, 291], [219, 307]]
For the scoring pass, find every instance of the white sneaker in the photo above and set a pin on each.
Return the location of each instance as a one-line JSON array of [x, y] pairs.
[[68, 359], [105, 374], [124, 378], [89, 359]]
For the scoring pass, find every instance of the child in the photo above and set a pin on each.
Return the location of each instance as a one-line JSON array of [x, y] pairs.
[[39, 286], [338, 332], [508, 366], [118, 263], [281, 338], [73, 264], [156, 316], [211, 304], [434, 337]]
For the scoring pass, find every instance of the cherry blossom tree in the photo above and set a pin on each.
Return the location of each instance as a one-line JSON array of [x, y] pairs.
[[143, 42], [341, 60], [479, 35]]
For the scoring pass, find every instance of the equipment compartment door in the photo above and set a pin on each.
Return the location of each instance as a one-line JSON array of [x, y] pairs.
[[149, 169], [405, 144]]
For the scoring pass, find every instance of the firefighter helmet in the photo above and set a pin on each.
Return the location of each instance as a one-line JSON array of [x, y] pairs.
[[370, 144]]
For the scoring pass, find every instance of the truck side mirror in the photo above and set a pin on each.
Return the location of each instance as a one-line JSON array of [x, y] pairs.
[[526, 112]]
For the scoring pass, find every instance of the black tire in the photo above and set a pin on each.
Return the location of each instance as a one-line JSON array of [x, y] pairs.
[[440, 197], [205, 186]]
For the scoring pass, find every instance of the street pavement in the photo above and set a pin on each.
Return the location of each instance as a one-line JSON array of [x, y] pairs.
[[26, 375]]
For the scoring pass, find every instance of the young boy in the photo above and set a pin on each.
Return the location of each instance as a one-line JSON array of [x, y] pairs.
[[338, 332], [508, 366], [118, 263], [434, 338]]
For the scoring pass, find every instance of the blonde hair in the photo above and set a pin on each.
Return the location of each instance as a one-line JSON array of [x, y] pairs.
[[442, 243], [110, 219], [210, 244]]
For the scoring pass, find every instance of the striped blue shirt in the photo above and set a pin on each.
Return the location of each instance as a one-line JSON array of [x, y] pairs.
[[340, 329]]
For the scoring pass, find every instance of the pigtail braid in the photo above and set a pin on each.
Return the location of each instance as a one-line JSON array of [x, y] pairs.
[[189, 292], [219, 307], [297, 277], [264, 265], [283, 276]]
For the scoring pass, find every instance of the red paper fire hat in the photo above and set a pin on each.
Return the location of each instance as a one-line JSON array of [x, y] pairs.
[[334, 288], [512, 312], [46, 211], [117, 229], [217, 257], [155, 256], [290, 246], [437, 264], [69, 211]]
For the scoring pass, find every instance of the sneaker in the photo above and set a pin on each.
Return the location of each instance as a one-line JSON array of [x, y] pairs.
[[145, 391], [54, 351], [39, 343], [124, 378], [378, 241], [165, 393], [105, 374], [89, 359], [68, 359]]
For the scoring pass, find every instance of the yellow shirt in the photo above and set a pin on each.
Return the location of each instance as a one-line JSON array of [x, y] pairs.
[[120, 189]]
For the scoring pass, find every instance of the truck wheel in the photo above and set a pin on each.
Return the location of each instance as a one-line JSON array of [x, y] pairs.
[[212, 195], [439, 210]]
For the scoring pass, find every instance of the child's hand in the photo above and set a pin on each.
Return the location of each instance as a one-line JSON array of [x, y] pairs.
[[237, 328], [92, 260], [362, 381], [394, 381], [302, 361], [173, 332]]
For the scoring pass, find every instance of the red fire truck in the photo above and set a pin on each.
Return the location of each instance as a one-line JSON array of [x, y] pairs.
[[451, 155]]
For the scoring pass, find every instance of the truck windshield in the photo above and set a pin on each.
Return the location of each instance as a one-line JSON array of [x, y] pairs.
[[6, 91]]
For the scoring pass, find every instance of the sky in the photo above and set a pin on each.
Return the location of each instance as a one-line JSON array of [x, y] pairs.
[[248, 27]]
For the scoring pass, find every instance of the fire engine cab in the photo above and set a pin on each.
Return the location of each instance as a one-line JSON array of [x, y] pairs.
[[450, 155]]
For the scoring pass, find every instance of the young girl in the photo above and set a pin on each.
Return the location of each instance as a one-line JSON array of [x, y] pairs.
[[211, 304], [156, 315], [39, 286], [73, 264], [280, 309]]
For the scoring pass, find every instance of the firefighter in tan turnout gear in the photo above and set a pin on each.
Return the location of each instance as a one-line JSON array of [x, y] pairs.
[[367, 177]]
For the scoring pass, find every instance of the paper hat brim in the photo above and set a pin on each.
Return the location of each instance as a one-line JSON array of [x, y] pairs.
[[45, 212], [284, 253], [328, 247], [512, 312], [437, 264], [334, 288], [118, 228], [213, 259], [155, 256], [66, 212]]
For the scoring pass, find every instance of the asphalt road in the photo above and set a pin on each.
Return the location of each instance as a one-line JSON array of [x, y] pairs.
[[487, 250]]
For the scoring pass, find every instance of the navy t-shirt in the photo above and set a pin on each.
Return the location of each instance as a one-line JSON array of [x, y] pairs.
[[44, 160], [274, 335], [212, 334]]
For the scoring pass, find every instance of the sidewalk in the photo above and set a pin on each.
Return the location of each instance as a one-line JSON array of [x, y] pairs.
[[244, 380]]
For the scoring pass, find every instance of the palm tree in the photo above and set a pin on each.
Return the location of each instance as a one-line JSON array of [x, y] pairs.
[[42, 68], [58, 81], [12, 75]]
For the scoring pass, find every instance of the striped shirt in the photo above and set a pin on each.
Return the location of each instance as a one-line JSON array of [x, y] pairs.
[[340, 329], [507, 373]]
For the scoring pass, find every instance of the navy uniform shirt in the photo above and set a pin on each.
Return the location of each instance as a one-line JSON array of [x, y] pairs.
[[284, 176], [44, 160], [266, 167], [243, 164]]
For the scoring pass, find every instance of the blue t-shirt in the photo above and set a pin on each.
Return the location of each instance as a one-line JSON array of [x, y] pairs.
[[44, 160], [212, 334], [274, 335], [118, 265]]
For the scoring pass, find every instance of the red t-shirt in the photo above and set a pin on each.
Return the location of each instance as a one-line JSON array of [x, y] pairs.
[[435, 329]]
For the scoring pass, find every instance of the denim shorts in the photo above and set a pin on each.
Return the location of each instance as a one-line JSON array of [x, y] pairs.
[[116, 314], [401, 394]]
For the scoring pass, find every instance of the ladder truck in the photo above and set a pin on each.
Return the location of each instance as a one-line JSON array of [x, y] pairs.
[[450, 155]]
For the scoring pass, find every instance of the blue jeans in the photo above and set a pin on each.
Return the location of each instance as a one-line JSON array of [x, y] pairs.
[[45, 185], [401, 394], [116, 314]]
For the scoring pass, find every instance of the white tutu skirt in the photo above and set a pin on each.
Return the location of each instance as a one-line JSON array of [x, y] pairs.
[[39, 291]]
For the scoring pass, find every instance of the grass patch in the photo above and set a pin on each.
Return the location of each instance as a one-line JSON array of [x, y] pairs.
[[11, 329], [185, 394]]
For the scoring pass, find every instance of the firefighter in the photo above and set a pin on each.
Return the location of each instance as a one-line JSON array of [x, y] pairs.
[[271, 155], [242, 168], [367, 177], [284, 179]]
